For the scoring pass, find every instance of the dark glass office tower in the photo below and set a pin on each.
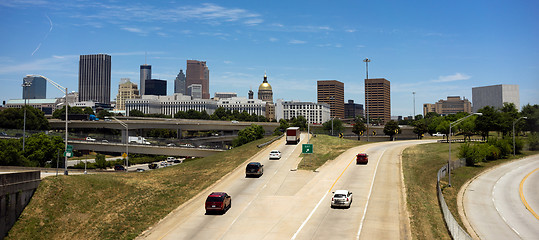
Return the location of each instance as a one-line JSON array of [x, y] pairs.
[[94, 78], [37, 88], [145, 74]]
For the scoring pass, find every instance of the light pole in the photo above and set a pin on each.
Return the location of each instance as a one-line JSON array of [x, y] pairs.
[[449, 140], [24, 86], [126, 140], [332, 98], [62, 89], [413, 117], [514, 146], [367, 61]]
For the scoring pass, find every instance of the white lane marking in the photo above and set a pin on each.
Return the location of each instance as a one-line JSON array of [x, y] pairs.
[[310, 215], [369, 197], [283, 163], [496, 207]]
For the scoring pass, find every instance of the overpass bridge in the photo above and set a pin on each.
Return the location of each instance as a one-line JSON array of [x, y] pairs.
[[142, 149]]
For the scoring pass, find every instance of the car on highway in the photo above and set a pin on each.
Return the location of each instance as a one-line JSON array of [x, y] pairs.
[[218, 202], [341, 198], [178, 161], [153, 166], [255, 169], [90, 139], [275, 154], [119, 168], [171, 145], [171, 159], [362, 158]]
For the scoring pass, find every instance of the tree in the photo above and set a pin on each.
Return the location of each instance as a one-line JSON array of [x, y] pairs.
[[88, 110], [103, 113], [10, 153], [359, 128], [300, 122], [391, 128], [136, 113], [336, 123], [509, 113], [14, 118], [41, 148], [100, 161], [283, 125], [443, 128], [420, 128], [531, 112], [467, 128], [487, 122], [433, 123], [249, 134], [61, 113]]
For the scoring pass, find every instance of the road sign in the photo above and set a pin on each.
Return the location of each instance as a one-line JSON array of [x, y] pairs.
[[70, 148], [341, 135], [307, 148], [124, 155], [68, 154]]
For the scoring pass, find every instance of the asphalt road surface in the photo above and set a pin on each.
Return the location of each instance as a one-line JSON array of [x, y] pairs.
[[503, 203], [289, 204]]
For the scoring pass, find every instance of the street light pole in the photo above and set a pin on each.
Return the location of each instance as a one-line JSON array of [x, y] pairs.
[[366, 60], [514, 145], [413, 117], [63, 89], [126, 140], [449, 140], [24, 86]]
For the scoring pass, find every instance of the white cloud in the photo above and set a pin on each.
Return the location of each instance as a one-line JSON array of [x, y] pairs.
[[273, 39], [297, 42], [350, 30], [452, 78], [134, 30]]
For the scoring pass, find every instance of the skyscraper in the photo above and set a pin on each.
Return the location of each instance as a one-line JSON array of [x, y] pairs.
[[37, 88], [332, 93], [377, 99], [197, 73], [94, 78], [179, 83], [495, 96], [126, 90], [156, 87], [145, 74]]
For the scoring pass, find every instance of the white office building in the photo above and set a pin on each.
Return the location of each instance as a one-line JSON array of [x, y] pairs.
[[169, 105], [315, 113], [495, 96]]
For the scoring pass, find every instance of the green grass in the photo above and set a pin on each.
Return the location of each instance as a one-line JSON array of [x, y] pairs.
[[325, 148], [120, 205], [420, 166]]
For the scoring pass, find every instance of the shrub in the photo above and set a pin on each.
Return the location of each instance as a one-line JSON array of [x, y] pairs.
[[505, 145], [533, 141], [491, 152], [473, 153]]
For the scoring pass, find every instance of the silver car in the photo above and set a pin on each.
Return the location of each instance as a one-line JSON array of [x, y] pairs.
[[341, 198]]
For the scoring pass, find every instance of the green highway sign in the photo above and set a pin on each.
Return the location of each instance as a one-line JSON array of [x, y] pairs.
[[69, 147], [68, 154], [307, 148]]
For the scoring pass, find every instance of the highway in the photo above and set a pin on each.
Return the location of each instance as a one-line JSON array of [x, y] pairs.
[[289, 204], [503, 203]]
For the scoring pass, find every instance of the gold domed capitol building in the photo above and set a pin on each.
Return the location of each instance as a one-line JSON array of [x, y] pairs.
[[265, 93]]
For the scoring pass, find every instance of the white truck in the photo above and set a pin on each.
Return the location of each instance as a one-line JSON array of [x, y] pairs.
[[139, 140]]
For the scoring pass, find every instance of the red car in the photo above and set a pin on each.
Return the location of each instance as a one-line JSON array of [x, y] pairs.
[[218, 202], [362, 158]]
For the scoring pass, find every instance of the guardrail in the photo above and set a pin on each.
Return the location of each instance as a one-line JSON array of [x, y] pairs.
[[462, 140], [270, 141], [456, 231]]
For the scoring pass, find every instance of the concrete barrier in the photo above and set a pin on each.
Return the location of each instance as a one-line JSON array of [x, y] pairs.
[[456, 231], [16, 190]]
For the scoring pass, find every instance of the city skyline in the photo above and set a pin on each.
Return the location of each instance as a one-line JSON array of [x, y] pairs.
[[421, 47]]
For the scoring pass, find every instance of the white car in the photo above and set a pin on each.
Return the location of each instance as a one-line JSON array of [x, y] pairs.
[[90, 139], [341, 198], [275, 154]]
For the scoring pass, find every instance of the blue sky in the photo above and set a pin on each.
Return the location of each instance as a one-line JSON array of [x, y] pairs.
[[434, 48]]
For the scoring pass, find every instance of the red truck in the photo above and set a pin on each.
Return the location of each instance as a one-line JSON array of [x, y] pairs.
[[292, 135]]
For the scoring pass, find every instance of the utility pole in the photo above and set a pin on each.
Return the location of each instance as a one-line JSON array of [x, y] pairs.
[[413, 117], [366, 60]]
